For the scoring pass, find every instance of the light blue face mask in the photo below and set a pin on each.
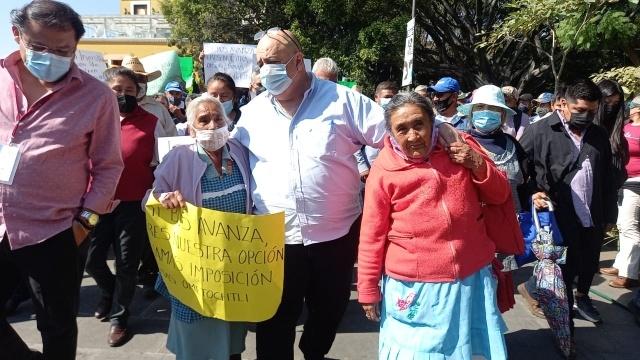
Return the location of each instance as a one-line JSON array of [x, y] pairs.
[[486, 121], [274, 77], [384, 102], [46, 66], [227, 106]]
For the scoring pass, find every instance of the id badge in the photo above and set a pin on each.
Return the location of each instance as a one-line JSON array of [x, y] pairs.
[[9, 158]]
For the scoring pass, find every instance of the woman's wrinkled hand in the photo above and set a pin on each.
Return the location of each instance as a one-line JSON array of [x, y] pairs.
[[461, 153], [372, 311], [172, 200]]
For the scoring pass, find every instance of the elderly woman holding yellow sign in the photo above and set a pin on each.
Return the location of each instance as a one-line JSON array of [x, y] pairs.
[[213, 173]]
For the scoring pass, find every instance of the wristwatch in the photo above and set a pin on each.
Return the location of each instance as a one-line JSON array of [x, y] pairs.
[[88, 219]]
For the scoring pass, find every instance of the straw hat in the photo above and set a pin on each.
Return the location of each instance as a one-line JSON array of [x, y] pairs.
[[133, 63]]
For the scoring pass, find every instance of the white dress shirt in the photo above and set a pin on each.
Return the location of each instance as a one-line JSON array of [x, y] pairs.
[[304, 165]]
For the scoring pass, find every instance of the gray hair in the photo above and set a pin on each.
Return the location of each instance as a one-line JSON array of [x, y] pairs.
[[409, 98], [49, 13], [193, 105], [326, 64]]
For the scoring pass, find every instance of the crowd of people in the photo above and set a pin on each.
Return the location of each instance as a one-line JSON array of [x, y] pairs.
[[351, 174]]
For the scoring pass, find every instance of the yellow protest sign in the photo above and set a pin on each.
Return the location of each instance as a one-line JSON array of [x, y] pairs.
[[223, 265]]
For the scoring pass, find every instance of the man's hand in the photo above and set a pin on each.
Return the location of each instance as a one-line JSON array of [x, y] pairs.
[[175, 110], [540, 200], [372, 311], [172, 200], [447, 135], [364, 175], [80, 232]]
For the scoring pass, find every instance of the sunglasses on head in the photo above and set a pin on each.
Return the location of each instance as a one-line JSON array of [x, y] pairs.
[[260, 34]]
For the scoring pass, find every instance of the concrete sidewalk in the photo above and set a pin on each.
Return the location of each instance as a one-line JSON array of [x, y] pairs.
[[528, 337]]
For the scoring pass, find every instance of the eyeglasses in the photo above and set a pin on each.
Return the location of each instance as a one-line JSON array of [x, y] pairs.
[[42, 48], [260, 34]]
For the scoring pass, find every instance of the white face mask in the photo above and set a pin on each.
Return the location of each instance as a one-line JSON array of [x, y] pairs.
[[212, 140]]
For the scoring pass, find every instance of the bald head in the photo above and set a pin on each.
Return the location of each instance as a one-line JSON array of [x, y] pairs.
[[277, 43], [277, 48]]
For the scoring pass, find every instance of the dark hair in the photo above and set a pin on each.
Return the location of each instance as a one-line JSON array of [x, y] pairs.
[[613, 126], [560, 93], [225, 78], [49, 13], [111, 73], [584, 89], [410, 98], [387, 85], [228, 82]]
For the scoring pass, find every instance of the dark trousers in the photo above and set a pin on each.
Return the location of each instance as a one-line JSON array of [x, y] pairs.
[[319, 276], [148, 271], [52, 268], [583, 258], [125, 230]]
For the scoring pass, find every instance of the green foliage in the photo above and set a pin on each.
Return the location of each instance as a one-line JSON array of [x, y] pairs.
[[628, 77], [556, 28], [366, 38]]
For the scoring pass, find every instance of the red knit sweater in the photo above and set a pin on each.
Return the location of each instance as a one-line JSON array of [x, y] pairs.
[[423, 222], [138, 146]]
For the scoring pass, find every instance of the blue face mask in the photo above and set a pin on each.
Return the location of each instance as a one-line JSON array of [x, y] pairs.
[[47, 67], [227, 106], [274, 77], [486, 121], [384, 102]]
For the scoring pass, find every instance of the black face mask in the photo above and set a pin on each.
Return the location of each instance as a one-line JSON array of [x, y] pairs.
[[442, 105], [175, 100], [523, 108], [581, 121], [610, 111], [127, 103]]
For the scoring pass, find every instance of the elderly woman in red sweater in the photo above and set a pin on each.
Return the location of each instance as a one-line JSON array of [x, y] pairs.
[[423, 233]]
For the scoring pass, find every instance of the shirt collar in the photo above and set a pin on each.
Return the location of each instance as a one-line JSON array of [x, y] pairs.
[[307, 92], [211, 170]]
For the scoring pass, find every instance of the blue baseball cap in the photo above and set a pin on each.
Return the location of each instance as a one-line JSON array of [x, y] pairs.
[[544, 98], [446, 85], [173, 86]]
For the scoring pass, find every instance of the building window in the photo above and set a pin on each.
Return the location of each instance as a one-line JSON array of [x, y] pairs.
[[140, 8]]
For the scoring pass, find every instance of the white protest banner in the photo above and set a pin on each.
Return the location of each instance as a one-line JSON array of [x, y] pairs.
[[407, 68], [91, 62], [168, 63], [165, 144], [235, 60]]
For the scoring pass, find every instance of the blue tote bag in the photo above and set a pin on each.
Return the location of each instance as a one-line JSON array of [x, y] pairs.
[[547, 220]]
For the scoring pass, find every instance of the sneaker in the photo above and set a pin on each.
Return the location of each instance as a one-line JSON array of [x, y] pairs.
[[584, 307]]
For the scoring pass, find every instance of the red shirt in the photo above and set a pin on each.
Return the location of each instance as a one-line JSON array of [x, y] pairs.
[[632, 134], [138, 147]]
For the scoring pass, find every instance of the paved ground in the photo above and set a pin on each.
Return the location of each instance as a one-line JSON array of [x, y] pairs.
[[528, 337]]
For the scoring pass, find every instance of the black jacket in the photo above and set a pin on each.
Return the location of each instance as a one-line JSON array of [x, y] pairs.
[[551, 169]]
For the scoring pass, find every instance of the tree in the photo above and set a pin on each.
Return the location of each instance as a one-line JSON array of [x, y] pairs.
[[557, 28], [366, 38], [450, 42]]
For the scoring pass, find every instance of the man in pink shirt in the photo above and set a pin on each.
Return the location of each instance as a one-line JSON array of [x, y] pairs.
[[59, 166]]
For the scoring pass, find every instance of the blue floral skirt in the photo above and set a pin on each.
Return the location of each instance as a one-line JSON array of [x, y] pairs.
[[442, 321]]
